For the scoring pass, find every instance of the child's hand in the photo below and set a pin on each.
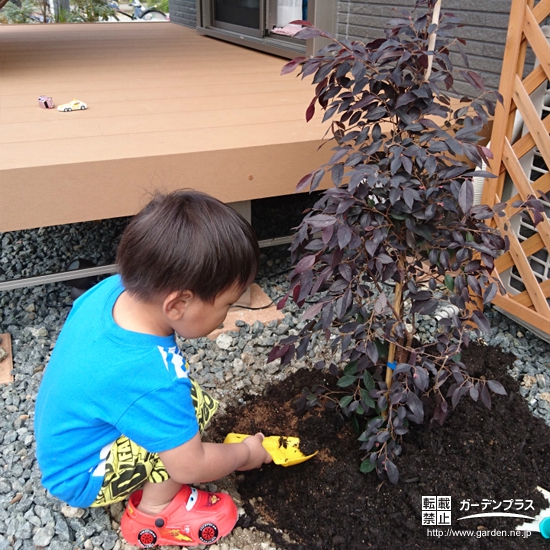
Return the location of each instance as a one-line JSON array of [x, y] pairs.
[[258, 454]]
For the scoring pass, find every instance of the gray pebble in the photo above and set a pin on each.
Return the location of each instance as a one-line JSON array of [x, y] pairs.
[[257, 327], [44, 535], [44, 514], [224, 341], [282, 329], [61, 528], [57, 544]]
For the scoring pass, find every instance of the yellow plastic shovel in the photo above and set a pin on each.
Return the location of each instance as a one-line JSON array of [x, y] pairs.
[[284, 450]]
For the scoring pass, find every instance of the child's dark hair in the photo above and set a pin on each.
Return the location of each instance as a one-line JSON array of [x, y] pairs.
[[187, 240]]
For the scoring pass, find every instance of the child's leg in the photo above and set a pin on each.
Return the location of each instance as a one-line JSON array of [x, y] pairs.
[[157, 496], [129, 466], [164, 512]]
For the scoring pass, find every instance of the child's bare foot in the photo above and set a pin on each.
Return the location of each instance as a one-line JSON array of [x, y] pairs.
[[152, 509]]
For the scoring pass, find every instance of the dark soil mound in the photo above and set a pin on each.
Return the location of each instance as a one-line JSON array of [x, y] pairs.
[[494, 459]]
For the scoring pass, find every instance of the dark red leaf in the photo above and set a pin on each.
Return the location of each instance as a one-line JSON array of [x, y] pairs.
[[291, 65], [327, 316], [474, 79], [305, 263], [416, 407], [277, 352], [338, 155], [474, 285], [310, 110], [281, 303], [302, 348], [485, 396], [392, 471], [287, 357], [317, 179], [303, 183], [344, 236], [364, 101], [496, 387], [312, 311], [490, 293], [309, 32]]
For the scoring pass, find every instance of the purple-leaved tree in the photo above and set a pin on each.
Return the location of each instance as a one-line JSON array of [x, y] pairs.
[[397, 236]]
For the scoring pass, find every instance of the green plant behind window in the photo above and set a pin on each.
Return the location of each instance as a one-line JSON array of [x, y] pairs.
[[397, 237], [89, 11], [12, 13], [66, 16], [162, 5]]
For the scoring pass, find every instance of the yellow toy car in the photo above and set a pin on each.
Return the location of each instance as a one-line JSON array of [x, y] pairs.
[[73, 105]]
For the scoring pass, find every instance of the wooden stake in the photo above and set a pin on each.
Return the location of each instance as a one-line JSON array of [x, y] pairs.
[[398, 307], [433, 37], [389, 371]]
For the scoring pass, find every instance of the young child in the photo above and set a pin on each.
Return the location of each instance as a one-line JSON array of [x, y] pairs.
[[117, 411]]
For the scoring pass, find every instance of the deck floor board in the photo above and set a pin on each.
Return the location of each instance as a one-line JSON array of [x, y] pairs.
[[180, 103]]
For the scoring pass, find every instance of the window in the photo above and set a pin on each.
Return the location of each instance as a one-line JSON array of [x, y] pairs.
[[265, 24]]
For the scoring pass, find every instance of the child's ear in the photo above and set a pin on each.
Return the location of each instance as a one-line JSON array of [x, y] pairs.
[[175, 304]]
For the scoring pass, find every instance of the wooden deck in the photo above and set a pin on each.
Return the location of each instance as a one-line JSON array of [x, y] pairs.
[[168, 109]]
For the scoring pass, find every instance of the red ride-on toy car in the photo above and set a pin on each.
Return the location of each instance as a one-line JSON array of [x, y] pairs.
[[45, 102]]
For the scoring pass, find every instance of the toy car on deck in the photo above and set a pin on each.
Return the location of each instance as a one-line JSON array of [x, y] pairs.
[[45, 102], [73, 105]]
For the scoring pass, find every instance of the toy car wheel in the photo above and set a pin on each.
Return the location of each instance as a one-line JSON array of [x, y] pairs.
[[208, 533], [66, 109], [147, 538], [82, 107]]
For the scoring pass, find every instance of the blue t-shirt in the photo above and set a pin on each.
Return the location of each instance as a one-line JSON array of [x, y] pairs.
[[101, 382]]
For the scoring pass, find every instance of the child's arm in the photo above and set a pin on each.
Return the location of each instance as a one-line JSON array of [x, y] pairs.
[[197, 462]]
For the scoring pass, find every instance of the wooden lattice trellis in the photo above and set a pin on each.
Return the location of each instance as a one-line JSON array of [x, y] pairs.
[[527, 263]]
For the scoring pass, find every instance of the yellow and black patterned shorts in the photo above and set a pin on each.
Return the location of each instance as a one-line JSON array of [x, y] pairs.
[[128, 466]]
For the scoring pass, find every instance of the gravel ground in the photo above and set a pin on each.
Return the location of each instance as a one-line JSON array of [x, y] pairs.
[[233, 365]]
